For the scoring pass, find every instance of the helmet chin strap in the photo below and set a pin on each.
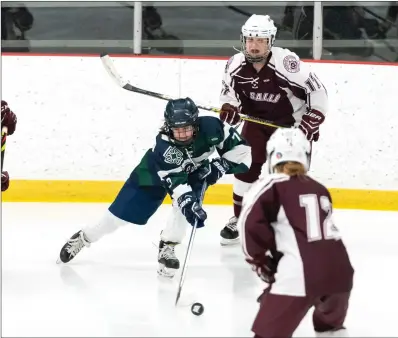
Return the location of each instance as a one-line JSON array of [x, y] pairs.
[[254, 59]]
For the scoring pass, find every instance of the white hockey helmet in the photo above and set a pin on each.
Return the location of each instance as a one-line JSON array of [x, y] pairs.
[[288, 145], [258, 26]]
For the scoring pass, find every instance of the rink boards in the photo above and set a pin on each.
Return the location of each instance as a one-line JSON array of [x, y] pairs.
[[79, 135], [219, 194]]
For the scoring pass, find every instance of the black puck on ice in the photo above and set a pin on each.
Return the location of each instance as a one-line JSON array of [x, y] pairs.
[[197, 309]]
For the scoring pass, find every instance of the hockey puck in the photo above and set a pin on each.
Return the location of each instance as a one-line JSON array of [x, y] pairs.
[[197, 309]]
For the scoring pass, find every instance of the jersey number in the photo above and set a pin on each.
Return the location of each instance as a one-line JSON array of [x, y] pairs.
[[314, 232]]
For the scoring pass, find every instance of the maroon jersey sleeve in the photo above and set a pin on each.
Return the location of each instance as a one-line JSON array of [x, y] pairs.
[[257, 233], [260, 207]]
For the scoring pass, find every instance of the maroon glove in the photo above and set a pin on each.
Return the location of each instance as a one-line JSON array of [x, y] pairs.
[[8, 118], [229, 114], [266, 266], [5, 180], [310, 124]]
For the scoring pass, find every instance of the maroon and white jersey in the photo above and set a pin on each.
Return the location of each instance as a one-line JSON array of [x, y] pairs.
[[4, 109], [281, 92], [295, 213]]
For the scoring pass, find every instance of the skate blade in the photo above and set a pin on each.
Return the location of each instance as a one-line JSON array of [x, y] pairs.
[[228, 242], [166, 272], [59, 261]]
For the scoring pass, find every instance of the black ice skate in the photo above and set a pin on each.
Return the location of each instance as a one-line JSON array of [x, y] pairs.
[[168, 262], [73, 247], [230, 234]]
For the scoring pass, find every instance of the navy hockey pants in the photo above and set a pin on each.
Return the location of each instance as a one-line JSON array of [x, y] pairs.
[[136, 204]]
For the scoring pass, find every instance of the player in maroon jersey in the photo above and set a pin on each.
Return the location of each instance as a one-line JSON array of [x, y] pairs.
[[9, 120], [290, 239], [270, 83]]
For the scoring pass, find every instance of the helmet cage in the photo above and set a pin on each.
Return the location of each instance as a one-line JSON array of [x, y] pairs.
[[258, 26]]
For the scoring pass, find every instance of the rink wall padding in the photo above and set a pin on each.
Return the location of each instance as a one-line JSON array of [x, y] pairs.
[[68, 191]]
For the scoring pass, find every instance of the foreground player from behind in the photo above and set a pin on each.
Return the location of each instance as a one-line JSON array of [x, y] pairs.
[[178, 164], [290, 239], [273, 84]]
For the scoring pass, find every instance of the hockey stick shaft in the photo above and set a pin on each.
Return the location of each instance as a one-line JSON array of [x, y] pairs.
[[189, 249], [4, 131], [111, 69]]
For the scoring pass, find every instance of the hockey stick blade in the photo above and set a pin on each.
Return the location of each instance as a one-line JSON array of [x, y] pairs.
[[111, 69]]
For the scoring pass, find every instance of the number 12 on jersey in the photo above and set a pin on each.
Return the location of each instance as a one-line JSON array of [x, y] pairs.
[[313, 210]]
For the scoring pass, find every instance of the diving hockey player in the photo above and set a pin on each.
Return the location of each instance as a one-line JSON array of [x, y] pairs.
[[178, 164], [270, 83]]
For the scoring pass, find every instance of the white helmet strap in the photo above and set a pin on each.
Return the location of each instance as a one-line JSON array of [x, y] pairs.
[[258, 58]]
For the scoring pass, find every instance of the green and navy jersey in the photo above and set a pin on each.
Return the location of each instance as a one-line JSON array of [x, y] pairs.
[[169, 164]]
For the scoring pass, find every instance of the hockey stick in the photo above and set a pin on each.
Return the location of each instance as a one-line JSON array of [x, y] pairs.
[[4, 131], [190, 245], [111, 69]]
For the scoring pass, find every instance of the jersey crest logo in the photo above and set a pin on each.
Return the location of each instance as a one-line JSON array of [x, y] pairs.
[[291, 64], [173, 156]]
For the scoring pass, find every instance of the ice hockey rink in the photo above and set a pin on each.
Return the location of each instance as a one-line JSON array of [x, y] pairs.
[[112, 288]]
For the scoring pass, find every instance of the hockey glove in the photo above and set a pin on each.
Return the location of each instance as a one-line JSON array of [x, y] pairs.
[[8, 118], [229, 114], [310, 124], [191, 209], [5, 180], [217, 168], [266, 266], [210, 173]]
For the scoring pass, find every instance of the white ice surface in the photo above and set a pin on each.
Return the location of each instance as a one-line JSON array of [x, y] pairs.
[[112, 288]]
